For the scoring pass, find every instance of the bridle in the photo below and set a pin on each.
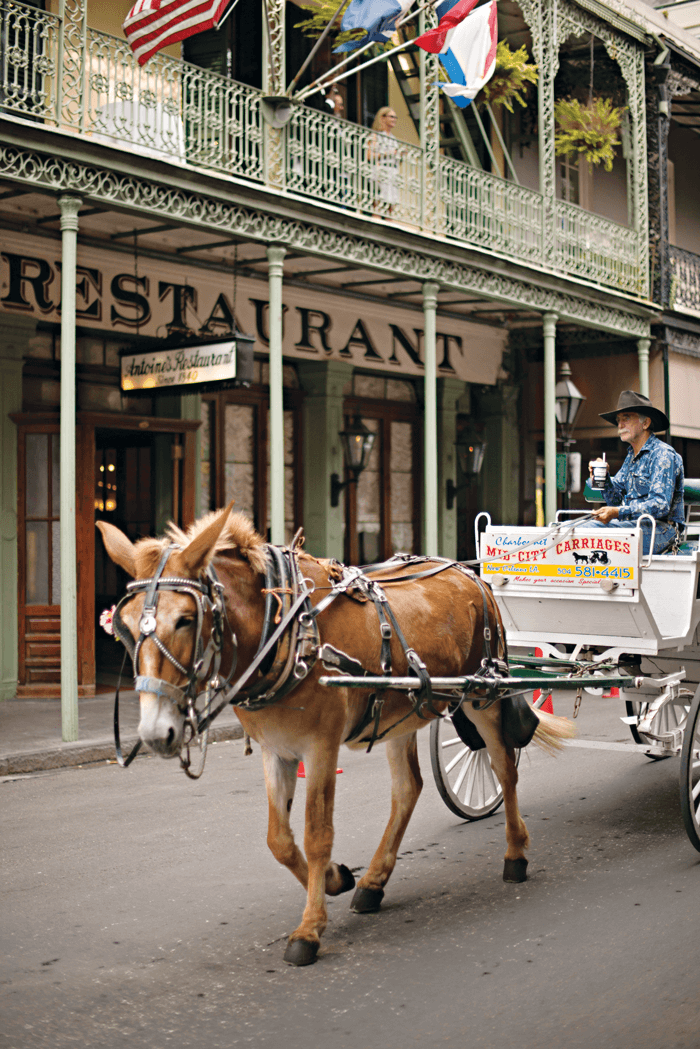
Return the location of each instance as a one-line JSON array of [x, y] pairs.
[[208, 597]]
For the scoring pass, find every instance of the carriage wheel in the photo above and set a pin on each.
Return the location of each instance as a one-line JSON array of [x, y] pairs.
[[690, 773], [669, 718], [464, 778]]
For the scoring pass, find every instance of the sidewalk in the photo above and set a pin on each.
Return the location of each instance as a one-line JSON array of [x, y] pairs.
[[30, 732]]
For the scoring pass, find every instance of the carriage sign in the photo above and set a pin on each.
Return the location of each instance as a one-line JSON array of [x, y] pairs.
[[583, 557]]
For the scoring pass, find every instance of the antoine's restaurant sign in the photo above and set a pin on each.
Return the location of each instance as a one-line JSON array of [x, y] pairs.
[[154, 298], [215, 362]]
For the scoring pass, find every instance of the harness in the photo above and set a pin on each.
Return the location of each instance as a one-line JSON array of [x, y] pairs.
[[289, 644]]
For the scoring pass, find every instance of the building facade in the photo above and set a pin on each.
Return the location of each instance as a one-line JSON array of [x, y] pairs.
[[430, 298]]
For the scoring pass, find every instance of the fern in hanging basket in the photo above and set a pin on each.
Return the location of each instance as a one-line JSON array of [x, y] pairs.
[[592, 129], [512, 75]]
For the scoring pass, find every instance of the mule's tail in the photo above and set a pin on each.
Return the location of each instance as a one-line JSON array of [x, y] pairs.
[[552, 731]]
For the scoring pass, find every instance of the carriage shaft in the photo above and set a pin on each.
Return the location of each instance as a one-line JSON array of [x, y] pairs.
[[473, 682]]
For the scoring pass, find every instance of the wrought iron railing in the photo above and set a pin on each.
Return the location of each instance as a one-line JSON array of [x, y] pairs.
[[355, 168], [596, 248], [685, 279], [486, 210], [28, 60], [177, 111]]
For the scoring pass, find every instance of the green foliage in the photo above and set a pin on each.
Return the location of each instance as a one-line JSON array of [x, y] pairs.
[[592, 129], [512, 75]]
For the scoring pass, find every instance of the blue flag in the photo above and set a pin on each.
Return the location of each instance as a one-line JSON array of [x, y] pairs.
[[377, 17]]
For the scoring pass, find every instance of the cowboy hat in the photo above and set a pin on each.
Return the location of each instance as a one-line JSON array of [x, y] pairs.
[[629, 401]]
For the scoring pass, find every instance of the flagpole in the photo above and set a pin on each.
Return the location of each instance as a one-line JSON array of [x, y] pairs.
[[320, 82], [316, 46], [379, 58], [228, 11]]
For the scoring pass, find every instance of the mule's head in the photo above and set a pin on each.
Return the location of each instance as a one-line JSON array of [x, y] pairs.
[[176, 623]]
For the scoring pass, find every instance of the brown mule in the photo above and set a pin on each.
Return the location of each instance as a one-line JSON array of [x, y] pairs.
[[441, 617]]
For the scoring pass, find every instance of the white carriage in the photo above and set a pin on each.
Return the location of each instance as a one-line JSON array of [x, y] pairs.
[[586, 600]]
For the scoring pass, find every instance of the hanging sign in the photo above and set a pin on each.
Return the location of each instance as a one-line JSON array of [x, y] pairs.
[[581, 557], [184, 366]]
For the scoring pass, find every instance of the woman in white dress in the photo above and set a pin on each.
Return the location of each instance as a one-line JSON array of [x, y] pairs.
[[384, 154]]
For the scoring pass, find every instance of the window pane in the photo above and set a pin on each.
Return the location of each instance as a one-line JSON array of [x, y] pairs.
[[239, 458], [37, 563], [55, 475], [369, 488], [37, 474], [55, 562], [402, 487]]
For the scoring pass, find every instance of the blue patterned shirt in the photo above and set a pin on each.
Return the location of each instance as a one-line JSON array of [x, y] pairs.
[[649, 483]]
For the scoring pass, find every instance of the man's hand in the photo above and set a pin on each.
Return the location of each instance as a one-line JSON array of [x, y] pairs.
[[606, 514]]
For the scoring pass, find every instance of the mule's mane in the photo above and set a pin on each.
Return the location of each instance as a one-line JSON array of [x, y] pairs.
[[238, 534]]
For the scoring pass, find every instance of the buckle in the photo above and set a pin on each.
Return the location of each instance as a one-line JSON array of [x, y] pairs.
[[386, 631]]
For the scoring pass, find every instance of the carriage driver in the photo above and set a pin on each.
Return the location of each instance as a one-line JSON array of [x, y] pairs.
[[651, 478]]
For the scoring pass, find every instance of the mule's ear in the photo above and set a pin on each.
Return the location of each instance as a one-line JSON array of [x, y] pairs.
[[199, 552], [118, 546]]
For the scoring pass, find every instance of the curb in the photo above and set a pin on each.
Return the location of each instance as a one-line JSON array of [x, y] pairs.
[[70, 755]]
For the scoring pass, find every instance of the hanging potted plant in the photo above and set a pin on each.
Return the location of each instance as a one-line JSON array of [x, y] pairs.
[[591, 130], [511, 76]]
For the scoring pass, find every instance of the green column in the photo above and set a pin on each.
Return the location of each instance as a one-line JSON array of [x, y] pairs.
[[275, 272], [14, 334], [430, 466], [643, 355], [191, 408], [501, 470], [449, 392], [69, 566], [550, 418], [323, 383]]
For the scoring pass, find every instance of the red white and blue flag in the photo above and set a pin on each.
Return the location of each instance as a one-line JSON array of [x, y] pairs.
[[466, 46], [153, 24]]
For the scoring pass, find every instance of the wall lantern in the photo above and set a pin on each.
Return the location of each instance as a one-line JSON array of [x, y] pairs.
[[470, 456], [568, 400], [357, 441]]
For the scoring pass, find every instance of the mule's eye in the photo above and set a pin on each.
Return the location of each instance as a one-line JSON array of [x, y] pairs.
[[184, 622]]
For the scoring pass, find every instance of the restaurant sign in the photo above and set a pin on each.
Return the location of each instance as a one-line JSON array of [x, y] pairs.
[[184, 366]]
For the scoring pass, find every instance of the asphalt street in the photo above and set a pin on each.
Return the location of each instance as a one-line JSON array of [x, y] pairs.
[[143, 909]]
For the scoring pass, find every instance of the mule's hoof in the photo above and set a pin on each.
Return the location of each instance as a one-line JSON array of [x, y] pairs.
[[367, 901], [348, 878], [301, 952], [515, 870]]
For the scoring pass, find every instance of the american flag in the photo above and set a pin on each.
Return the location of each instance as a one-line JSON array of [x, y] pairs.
[[153, 24]]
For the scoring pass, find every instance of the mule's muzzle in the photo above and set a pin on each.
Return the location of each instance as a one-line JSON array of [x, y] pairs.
[[161, 726]]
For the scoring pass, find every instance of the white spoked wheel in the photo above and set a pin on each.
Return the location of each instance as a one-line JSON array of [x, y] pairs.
[[690, 773], [464, 777], [671, 717]]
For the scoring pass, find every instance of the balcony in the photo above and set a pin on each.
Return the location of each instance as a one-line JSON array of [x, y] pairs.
[[685, 280], [174, 111]]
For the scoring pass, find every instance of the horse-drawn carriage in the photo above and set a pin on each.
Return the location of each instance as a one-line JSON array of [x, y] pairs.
[[217, 616], [585, 607]]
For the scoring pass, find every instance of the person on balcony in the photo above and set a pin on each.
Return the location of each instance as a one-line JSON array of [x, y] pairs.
[[651, 478], [384, 155]]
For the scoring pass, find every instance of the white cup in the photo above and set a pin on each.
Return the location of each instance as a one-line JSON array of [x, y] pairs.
[[600, 473]]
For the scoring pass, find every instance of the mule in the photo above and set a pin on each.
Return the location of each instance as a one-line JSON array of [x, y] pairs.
[[443, 618]]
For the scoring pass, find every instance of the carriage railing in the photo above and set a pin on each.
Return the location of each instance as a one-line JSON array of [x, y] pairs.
[[90, 84]]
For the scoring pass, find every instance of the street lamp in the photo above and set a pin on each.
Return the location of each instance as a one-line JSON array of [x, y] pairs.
[[470, 456], [568, 400], [357, 441]]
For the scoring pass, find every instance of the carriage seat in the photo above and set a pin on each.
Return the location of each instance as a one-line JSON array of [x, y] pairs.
[[691, 502]]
